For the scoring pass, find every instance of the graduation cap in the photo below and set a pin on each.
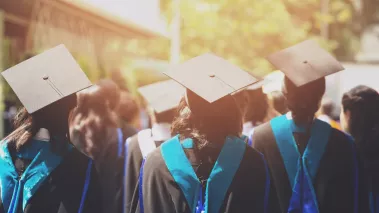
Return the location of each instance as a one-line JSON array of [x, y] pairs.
[[162, 96], [305, 62], [46, 78], [210, 77], [258, 84]]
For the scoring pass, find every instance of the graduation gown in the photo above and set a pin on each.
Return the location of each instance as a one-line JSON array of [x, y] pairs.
[[239, 181], [110, 167], [60, 192], [135, 156], [336, 179]]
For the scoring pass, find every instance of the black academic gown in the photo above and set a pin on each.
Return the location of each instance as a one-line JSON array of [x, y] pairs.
[[110, 167], [246, 192], [134, 162], [62, 191], [334, 181]]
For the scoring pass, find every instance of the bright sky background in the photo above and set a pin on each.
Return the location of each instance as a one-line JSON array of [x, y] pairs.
[[143, 12]]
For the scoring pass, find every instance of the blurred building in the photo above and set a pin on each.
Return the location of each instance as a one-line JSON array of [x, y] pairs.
[[88, 30], [101, 35]]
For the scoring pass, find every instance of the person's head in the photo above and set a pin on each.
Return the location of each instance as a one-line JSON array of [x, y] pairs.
[[279, 102], [127, 109], [208, 114], [360, 115], [109, 90], [53, 117], [327, 107], [303, 101], [305, 66], [207, 123], [93, 117], [161, 99], [257, 106], [46, 84], [162, 117]]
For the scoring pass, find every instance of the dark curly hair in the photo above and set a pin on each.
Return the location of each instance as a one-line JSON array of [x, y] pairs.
[[208, 129], [94, 115], [127, 108], [363, 104], [27, 125], [303, 101]]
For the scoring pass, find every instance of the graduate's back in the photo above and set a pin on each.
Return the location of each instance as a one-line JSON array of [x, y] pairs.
[[40, 171], [315, 168], [206, 167], [360, 118], [95, 132]]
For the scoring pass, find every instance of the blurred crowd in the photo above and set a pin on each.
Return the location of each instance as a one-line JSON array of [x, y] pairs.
[[211, 139]]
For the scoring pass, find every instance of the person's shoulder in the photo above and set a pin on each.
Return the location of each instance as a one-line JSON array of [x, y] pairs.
[[262, 134], [340, 141], [338, 135], [154, 163], [263, 128], [128, 130], [132, 141], [155, 157]]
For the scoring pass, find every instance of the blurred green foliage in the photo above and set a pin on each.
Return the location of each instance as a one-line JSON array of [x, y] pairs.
[[245, 31]]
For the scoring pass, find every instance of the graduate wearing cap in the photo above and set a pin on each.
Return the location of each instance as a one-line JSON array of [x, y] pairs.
[[162, 99], [314, 167], [39, 170], [207, 166]]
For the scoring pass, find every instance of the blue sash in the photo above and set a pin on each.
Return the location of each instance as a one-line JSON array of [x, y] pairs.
[[140, 193], [120, 150], [120, 139], [301, 170], [188, 181], [219, 180], [86, 185], [44, 161]]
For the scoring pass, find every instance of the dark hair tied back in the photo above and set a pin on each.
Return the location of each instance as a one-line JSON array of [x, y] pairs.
[[208, 130], [363, 104]]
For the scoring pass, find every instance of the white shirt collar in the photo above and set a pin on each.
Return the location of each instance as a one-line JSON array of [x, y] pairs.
[[42, 135], [161, 131], [325, 118], [247, 127]]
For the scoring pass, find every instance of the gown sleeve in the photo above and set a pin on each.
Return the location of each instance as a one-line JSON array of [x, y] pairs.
[[261, 137], [155, 185], [133, 165]]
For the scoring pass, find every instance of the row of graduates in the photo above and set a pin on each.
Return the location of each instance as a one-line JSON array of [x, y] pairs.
[[68, 155]]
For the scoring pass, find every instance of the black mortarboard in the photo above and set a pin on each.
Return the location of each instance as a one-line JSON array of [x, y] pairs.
[[305, 62], [46, 78], [210, 77], [162, 96]]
